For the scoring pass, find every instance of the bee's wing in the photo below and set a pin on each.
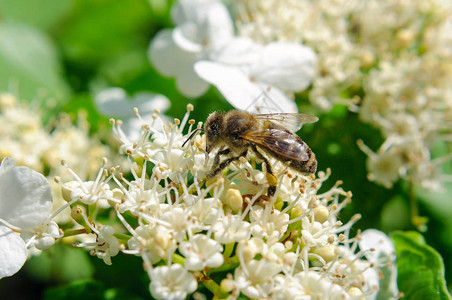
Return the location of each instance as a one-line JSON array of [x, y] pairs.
[[280, 142], [290, 121]]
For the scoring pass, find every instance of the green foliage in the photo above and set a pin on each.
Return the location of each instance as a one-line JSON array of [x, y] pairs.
[[87, 289], [60, 263], [25, 11], [420, 268], [29, 64]]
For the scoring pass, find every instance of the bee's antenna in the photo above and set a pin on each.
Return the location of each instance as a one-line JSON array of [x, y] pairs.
[[191, 135]]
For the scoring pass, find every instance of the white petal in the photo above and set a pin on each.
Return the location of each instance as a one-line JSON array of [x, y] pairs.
[[241, 92], [48, 238], [187, 10], [372, 238], [190, 84], [240, 51], [167, 57], [7, 164], [13, 253], [113, 102], [273, 101], [170, 60], [219, 27], [186, 36], [202, 24], [147, 102], [25, 197], [233, 83], [288, 66]]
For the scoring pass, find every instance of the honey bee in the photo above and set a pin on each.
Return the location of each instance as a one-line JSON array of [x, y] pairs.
[[274, 134]]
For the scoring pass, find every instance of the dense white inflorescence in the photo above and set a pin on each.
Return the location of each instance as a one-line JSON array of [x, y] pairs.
[[189, 230], [390, 61]]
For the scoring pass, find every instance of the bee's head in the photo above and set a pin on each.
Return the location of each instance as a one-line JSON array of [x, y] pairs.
[[212, 128]]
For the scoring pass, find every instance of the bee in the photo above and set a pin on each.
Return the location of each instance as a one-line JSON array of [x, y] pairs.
[[273, 134]]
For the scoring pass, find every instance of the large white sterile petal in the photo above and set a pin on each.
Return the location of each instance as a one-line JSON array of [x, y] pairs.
[[147, 102], [13, 253], [168, 58], [273, 100], [289, 66], [7, 164], [243, 93], [25, 198], [188, 37], [218, 25], [206, 23], [379, 241], [234, 84], [189, 83], [113, 102], [239, 51], [189, 10]]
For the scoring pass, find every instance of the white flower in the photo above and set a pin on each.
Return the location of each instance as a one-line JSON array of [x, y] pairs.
[[172, 282], [25, 206], [200, 252], [114, 102], [272, 239], [230, 229], [383, 254], [206, 210], [43, 236], [178, 221], [312, 284], [385, 166], [203, 27], [157, 242], [254, 278], [269, 224], [90, 192], [244, 70], [107, 244]]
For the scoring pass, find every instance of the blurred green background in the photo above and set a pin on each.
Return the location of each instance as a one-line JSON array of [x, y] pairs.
[[59, 53]]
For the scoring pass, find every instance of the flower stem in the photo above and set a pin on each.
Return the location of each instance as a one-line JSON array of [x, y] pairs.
[[72, 232], [212, 286], [419, 222], [176, 258], [228, 249], [230, 264]]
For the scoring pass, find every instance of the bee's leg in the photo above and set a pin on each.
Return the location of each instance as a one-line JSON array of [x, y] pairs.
[[216, 161], [225, 163], [271, 178]]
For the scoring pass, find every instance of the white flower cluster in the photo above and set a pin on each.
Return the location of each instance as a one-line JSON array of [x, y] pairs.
[[24, 137], [391, 61], [203, 49], [223, 233]]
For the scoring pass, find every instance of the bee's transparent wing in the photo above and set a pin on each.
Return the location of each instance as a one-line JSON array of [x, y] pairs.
[[289, 121], [271, 100]]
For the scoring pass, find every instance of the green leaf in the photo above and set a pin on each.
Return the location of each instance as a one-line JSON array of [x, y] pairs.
[[99, 31], [28, 59], [420, 268], [60, 263], [87, 289], [25, 11]]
